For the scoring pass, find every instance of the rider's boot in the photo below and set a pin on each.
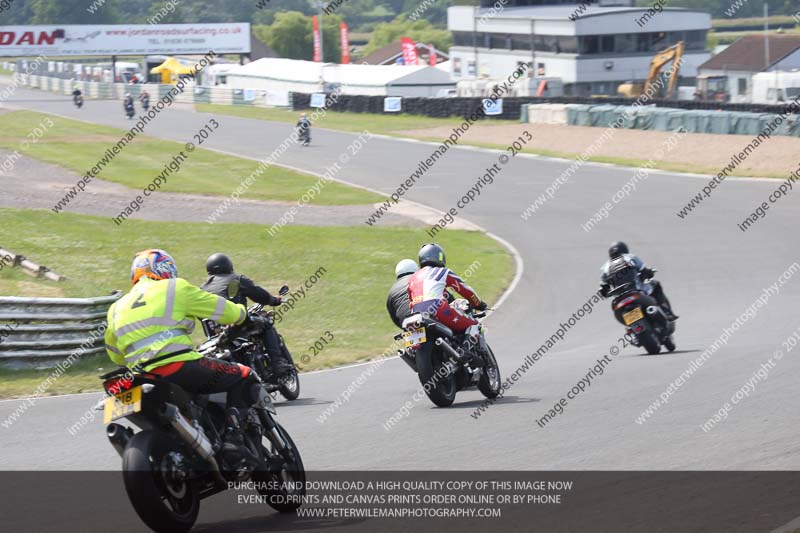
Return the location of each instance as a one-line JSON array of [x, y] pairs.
[[234, 452]]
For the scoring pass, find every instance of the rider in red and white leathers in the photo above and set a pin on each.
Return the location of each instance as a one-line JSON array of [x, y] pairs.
[[427, 290]]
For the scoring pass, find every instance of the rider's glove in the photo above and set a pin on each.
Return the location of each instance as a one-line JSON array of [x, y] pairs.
[[648, 273], [252, 323], [482, 306], [604, 290]]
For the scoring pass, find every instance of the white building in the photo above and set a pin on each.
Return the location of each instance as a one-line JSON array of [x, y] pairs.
[[592, 49], [743, 63]]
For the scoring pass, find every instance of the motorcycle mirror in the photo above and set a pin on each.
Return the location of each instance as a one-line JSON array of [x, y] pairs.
[[284, 290]]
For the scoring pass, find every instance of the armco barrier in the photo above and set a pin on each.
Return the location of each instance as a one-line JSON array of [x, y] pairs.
[[44, 331], [192, 94]]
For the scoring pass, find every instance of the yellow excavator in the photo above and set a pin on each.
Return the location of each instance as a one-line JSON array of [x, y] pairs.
[[674, 55]]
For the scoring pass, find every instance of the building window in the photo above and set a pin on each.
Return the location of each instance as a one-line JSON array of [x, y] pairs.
[[659, 41], [568, 45], [520, 42], [742, 85], [590, 44], [624, 43], [462, 38], [607, 44], [696, 40], [498, 40], [644, 42]]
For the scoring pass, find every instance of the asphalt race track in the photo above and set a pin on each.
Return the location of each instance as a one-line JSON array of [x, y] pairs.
[[711, 271]]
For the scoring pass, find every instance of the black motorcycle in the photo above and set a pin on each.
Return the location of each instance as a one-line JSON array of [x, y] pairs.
[[248, 349], [304, 135], [447, 362], [78, 100], [645, 322], [174, 461], [145, 103], [129, 110]]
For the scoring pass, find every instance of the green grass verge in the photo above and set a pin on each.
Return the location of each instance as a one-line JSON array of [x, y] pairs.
[[348, 300], [729, 37], [5, 72], [338, 120], [77, 146], [728, 22]]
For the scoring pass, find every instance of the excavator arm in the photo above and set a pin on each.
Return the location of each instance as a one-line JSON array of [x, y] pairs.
[[672, 54]]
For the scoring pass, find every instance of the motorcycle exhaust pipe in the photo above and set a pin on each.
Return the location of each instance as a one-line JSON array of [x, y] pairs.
[[119, 436], [440, 342], [654, 310], [194, 438], [407, 359]]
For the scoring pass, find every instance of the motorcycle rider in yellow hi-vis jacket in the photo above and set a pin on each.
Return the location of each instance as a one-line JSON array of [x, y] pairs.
[[149, 331]]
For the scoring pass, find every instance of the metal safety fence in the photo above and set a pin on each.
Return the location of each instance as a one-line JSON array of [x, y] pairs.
[[41, 331]]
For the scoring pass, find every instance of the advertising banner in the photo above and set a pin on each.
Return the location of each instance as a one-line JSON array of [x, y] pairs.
[[317, 100], [122, 39], [392, 104], [317, 42], [493, 108], [409, 51], [345, 43]]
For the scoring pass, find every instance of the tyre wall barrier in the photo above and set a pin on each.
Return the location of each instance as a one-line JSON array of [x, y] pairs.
[[464, 107], [693, 120]]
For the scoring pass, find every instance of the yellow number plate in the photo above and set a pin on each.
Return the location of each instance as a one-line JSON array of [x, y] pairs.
[[413, 337], [632, 316], [122, 404]]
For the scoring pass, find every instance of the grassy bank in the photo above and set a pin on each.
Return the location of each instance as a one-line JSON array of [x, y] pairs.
[[348, 299], [337, 120], [78, 146]]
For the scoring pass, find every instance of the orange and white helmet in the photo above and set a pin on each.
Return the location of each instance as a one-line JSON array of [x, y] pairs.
[[154, 264]]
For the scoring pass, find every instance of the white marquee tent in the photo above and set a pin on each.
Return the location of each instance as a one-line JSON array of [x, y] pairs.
[[279, 75]]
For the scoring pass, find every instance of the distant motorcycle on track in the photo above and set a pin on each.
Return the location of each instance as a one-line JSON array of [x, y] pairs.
[[304, 135], [129, 109]]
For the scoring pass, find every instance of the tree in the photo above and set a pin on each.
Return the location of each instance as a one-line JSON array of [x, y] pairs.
[[163, 14], [290, 35], [421, 31], [331, 40], [718, 8], [74, 12]]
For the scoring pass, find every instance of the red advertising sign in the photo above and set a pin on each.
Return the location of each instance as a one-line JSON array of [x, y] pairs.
[[409, 51], [317, 44], [345, 43]]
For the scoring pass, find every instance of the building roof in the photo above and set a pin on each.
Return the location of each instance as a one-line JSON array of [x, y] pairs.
[[298, 71], [561, 12], [391, 51], [748, 53]]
